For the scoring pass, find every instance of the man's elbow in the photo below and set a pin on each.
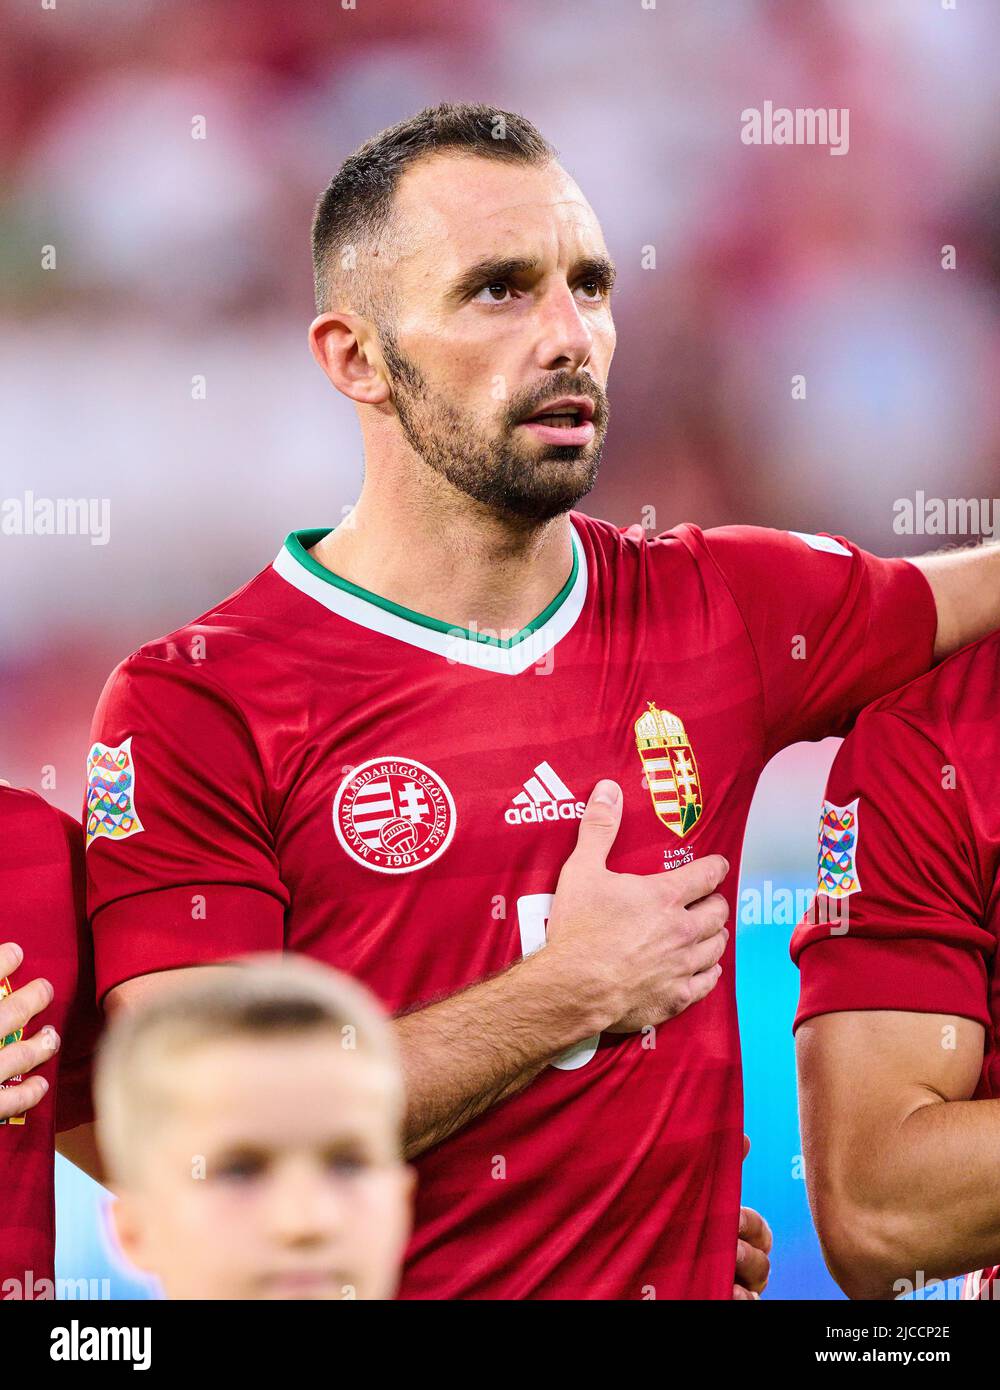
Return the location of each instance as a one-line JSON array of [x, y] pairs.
[[869, 1251]]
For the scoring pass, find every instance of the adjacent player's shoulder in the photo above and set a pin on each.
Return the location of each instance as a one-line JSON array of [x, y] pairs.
[[27, 819], [941, 729], [41, 869], [954, 700]]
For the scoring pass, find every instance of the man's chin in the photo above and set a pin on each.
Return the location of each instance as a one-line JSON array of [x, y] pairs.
[[540, 507]]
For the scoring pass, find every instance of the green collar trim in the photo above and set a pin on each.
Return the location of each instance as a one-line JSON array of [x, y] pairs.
[[298, 544]]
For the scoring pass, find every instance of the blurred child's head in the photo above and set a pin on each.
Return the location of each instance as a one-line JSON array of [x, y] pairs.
[[249, 1117]]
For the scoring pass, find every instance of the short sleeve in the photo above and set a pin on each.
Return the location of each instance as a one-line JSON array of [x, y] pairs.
[[900, 908], [832, 627], [181, 866]]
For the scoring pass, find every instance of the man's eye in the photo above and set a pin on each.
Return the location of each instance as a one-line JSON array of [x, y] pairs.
[[595, 289], [489, 291]]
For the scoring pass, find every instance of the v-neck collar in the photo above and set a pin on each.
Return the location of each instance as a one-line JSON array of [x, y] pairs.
[[469, 647]]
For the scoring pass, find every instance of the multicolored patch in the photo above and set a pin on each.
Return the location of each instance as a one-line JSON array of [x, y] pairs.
[[5, 989], [111, 793], [671, 771], [838, 848]]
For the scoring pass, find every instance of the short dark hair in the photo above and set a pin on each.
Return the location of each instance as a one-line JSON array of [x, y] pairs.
[[355, 208]]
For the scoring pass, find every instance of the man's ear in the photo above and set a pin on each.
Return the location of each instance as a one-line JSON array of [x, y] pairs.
[[344, 346]]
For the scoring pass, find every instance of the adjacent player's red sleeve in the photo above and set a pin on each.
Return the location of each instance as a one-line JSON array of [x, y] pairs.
[[181, 868], [832, 627], [901, 902]]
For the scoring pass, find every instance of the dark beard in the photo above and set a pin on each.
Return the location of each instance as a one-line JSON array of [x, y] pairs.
[[492, 470]]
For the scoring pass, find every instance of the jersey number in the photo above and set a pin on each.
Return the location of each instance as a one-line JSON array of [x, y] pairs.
[[532, 914]]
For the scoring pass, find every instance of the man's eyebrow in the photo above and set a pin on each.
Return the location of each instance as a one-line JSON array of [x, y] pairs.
[[597, 268], [491, 270], [488, 270]]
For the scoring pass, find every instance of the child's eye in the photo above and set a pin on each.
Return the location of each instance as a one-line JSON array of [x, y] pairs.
[[242, 1169], [346, 1165]]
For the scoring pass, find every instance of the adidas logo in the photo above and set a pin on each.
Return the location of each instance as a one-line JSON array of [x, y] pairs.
[[545, 797]]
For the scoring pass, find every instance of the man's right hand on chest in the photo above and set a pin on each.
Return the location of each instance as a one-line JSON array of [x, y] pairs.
[[644, 947]]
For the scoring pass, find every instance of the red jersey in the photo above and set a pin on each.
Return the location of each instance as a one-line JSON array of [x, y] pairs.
[[308, 765], [42, 890], [910, 853]]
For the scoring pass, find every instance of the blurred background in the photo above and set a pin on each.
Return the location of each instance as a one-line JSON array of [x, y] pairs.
[[180, 258]]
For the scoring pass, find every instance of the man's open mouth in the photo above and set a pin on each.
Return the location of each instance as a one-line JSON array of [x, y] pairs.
[[563, 421], [562, 414], [572, 417]]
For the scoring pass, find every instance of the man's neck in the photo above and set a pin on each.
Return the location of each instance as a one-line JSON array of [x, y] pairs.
[[448, 558]]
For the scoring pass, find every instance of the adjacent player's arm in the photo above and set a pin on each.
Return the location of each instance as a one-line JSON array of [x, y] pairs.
[[900, 1162], [966, 588], [902, 1168]]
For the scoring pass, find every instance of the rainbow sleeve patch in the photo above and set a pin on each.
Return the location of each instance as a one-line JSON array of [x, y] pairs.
[[837, 870], [111, 809]]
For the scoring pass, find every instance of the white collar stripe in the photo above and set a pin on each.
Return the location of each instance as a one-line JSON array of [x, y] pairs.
[[454, 646]]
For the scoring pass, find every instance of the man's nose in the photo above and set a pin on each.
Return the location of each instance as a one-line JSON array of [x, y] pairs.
[[566, 340]]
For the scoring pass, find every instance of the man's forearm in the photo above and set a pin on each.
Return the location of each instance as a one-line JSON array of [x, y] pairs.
[[471, 1050], [966, 585]]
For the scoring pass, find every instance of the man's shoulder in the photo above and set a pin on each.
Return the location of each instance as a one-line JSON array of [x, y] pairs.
[[41, 860], [764, 544], [957, 693], [945, 719], [639, 541], [231, 639], [25, 814]]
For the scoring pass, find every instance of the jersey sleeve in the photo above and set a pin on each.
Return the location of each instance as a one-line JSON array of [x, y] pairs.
[[82, 1025], [181, 867], [832, 627], [901, 905]]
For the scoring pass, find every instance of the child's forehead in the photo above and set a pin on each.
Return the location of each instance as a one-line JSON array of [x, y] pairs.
[[308, 1072], [328, 1043]]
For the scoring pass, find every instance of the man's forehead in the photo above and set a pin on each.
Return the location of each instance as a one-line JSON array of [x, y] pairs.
[[461, 207]]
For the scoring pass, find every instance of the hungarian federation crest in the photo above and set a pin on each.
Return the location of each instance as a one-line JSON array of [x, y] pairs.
[[838, 848], [393, 815], [111, 793], [671, 770]]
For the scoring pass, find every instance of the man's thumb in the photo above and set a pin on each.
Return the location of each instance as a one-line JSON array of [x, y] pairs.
[[601, 818]]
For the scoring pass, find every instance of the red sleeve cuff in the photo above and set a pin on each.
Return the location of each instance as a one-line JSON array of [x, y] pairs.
[[169, 928], [841, 974]]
